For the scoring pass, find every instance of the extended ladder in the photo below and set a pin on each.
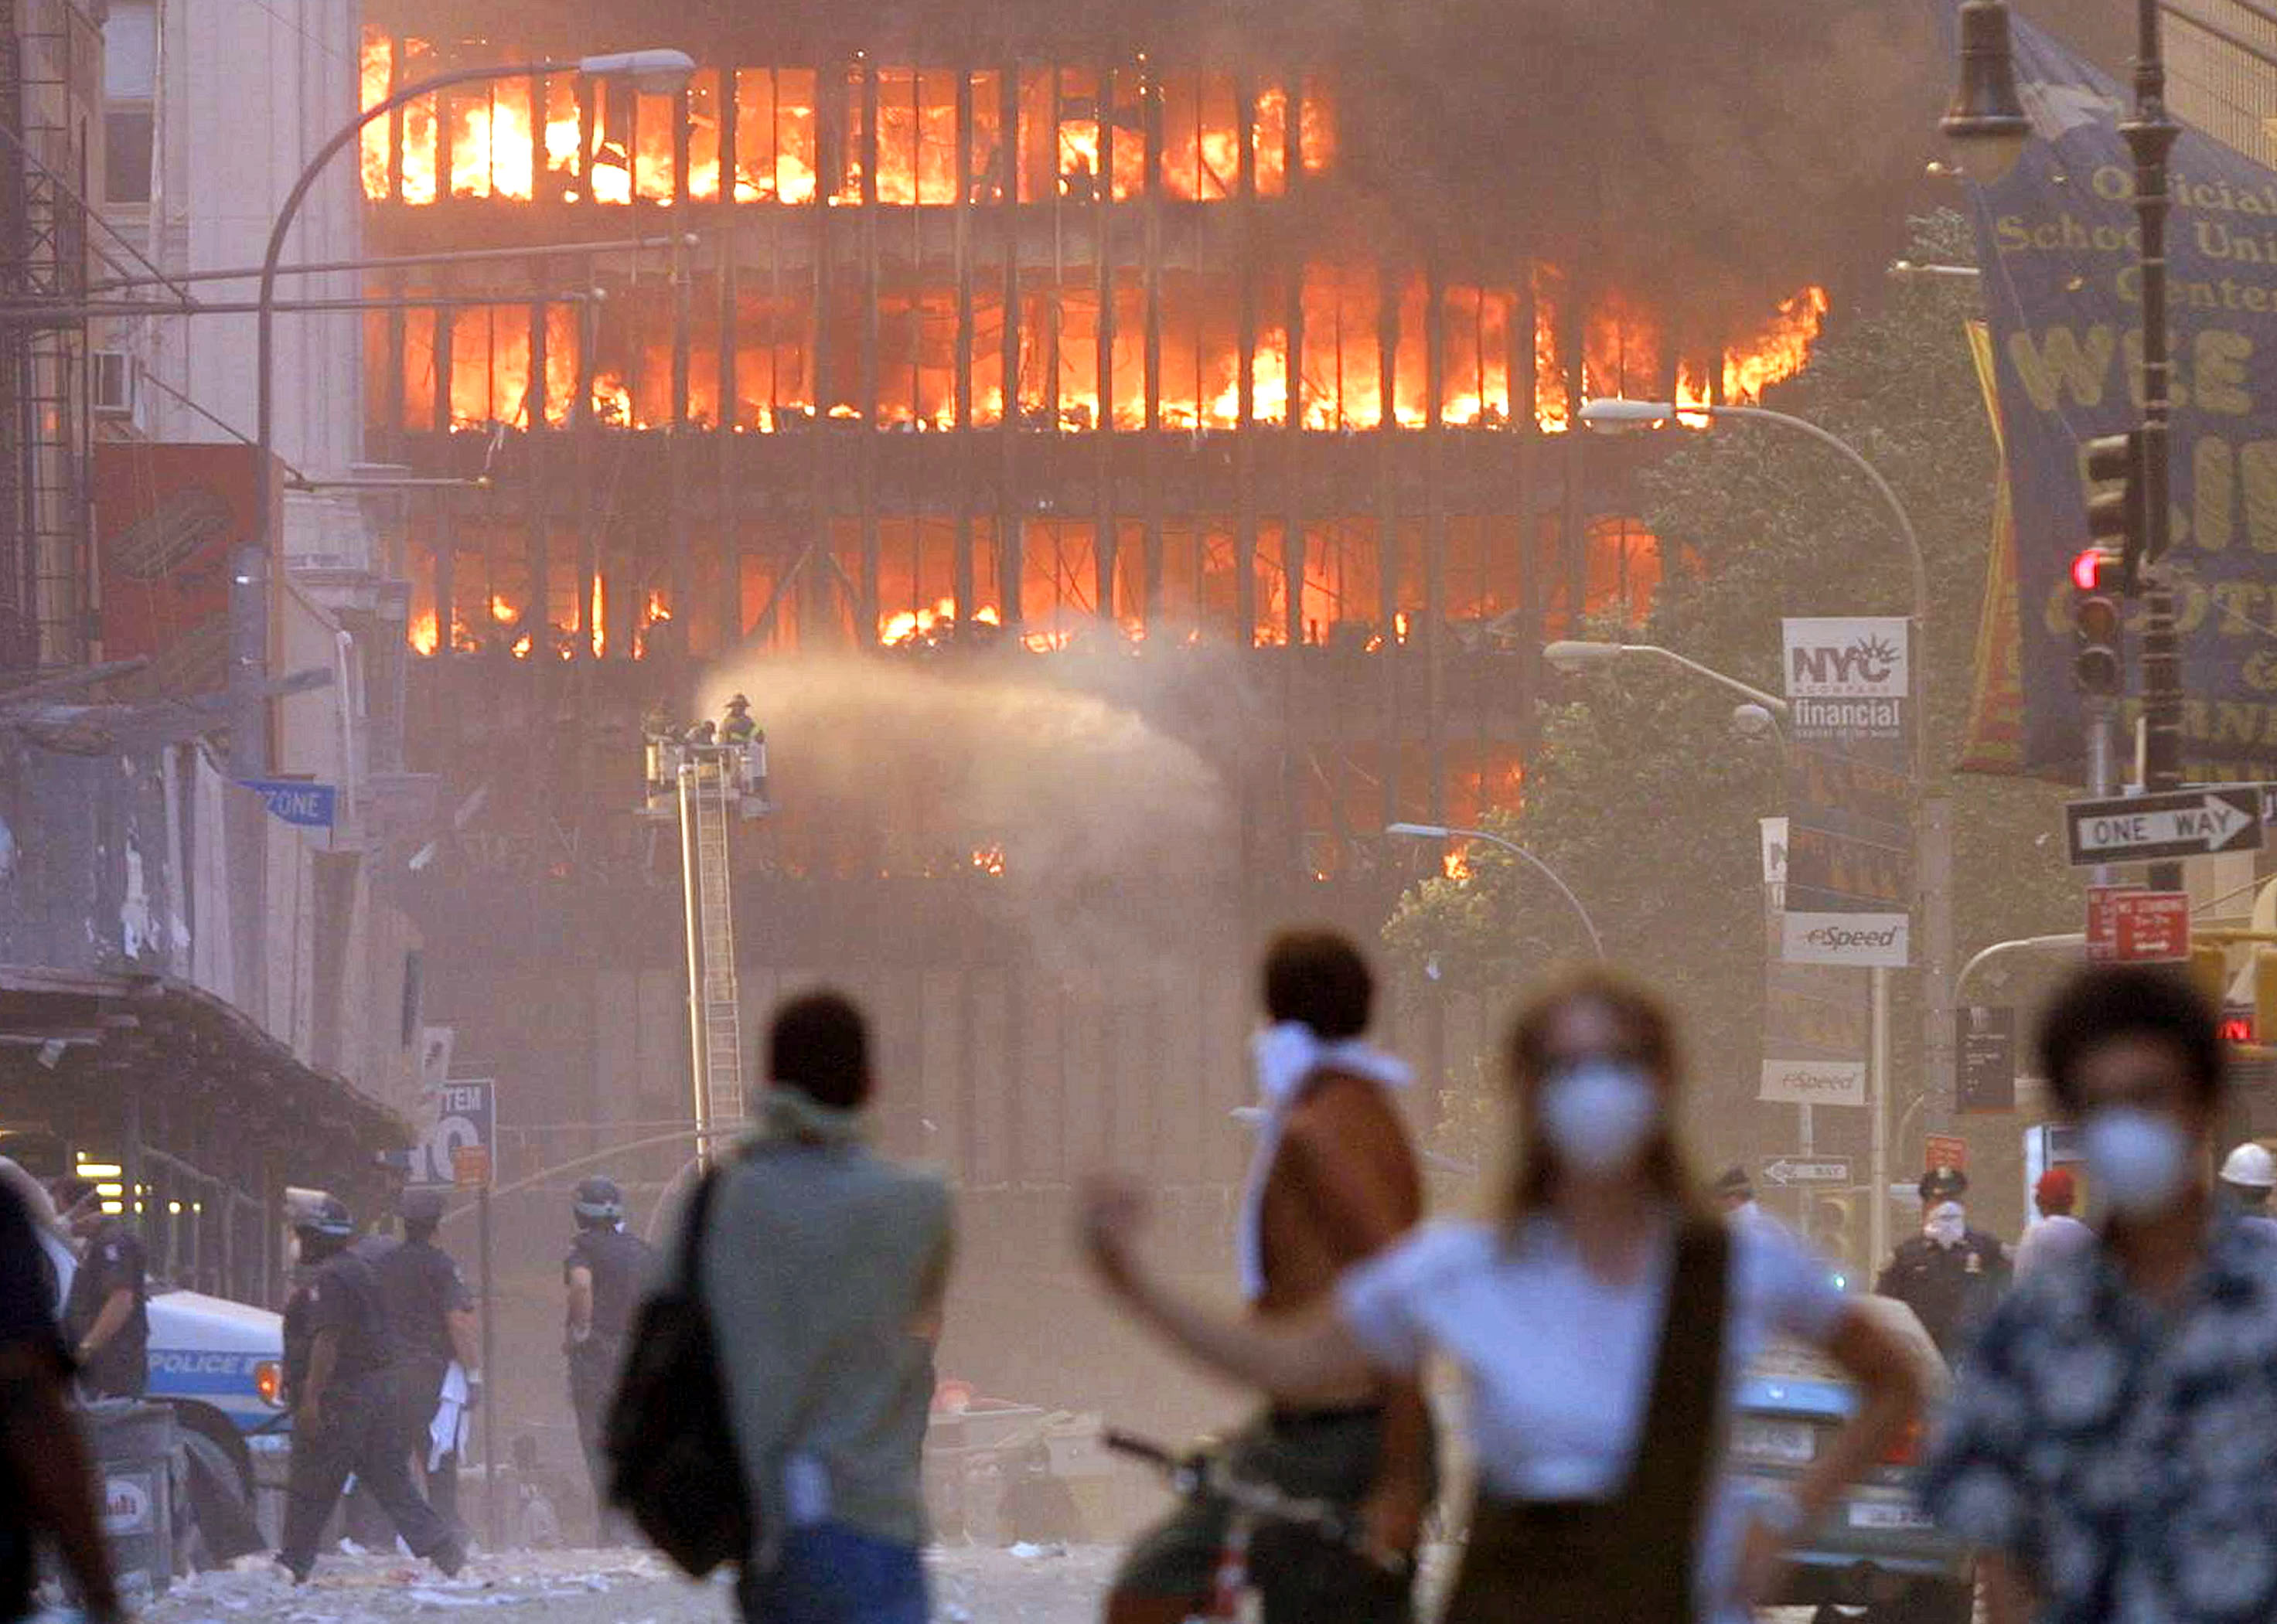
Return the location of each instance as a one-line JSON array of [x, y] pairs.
[[709, 793]]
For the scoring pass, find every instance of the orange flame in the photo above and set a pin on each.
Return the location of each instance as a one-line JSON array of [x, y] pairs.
[[600, 618], [1781, 350], [989, 859], [377, 73], [426, 632], [503, 610]]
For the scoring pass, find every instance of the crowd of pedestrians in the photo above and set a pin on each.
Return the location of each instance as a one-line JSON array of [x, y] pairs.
[[2105, 1447]]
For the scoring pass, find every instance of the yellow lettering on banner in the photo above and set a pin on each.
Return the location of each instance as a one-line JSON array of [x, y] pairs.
[[2234, 723], [2217, 371], [2236, 608], [2059, 360], [2213, 490], [2260, 668], [2256, 475]]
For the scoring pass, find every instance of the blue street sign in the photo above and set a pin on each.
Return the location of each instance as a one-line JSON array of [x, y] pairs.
[[306, 806]]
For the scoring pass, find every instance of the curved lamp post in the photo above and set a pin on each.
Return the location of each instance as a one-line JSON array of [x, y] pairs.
[[1439, 831], [1573, 654], [1930, 878], [656, 71]]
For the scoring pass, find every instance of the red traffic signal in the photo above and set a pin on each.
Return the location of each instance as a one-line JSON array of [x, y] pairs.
[[2089, 569]]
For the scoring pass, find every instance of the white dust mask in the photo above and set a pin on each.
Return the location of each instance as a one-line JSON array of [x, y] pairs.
[[2138, 1159], [1947, 1225], [1597, 1115]]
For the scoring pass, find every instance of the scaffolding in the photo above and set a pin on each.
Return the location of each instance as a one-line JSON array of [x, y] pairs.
[[47, 52]]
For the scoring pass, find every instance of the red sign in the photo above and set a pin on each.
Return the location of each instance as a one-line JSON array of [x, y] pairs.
[[2153, 926], [166, 518], [470, 1165], [1946, 1150], [2102, 921]]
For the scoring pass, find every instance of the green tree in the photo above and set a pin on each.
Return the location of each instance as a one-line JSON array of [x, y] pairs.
[[1642, 796]]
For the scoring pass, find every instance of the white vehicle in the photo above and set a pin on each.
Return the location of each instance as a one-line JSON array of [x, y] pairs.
[[220, 1365]]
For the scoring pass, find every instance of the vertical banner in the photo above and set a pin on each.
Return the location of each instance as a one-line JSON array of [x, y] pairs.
[[1816, 1021], [1850, 793], [2057, 238]]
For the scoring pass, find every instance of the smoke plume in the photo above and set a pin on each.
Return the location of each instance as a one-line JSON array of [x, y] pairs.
[[1107, 830]]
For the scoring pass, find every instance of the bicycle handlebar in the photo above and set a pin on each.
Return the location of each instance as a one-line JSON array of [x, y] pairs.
[[1206, 1472]]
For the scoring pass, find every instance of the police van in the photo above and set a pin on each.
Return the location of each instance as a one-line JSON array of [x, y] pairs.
[[221, 1366]]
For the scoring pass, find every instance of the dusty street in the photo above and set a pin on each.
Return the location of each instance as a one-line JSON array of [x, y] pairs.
[[1023, 1585], [970, 1586]]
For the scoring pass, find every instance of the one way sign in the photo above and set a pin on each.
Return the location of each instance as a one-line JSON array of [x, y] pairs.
[[1796, 1170], [2192, 822]]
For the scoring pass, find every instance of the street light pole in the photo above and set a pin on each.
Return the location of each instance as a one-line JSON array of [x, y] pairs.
[[248, 743], [1932, 855], [1439, 831], [2149, 136]]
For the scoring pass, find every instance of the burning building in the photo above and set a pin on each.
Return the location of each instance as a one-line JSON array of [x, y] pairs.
[[1031, 366]]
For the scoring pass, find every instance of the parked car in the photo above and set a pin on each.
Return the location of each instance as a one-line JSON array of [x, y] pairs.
[[1876, 1554]]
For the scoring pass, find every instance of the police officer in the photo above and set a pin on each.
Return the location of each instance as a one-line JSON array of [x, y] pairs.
[[605, 1272], [340, 1381], [1948, 1274], [106, 1316], [430, 1321]]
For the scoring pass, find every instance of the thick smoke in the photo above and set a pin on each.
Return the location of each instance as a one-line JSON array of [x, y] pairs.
[[1111, 831]]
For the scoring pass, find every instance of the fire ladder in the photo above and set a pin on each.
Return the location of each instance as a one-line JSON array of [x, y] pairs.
[[711, 791]]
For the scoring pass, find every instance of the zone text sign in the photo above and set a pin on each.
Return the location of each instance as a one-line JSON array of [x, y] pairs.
[[2187, 822]]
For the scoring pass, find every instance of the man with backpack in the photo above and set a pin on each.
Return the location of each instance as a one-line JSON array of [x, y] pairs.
[[821, 1268]]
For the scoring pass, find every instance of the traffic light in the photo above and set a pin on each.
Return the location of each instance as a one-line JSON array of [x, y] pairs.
[[2116, 509], [2209, 973], [2265, 996], [2096, 665]]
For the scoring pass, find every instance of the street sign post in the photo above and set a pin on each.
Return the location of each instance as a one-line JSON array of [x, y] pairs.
[[2189, 823], [1985, 1038], [466, 1118], [1788, 1170], [456, 1153]]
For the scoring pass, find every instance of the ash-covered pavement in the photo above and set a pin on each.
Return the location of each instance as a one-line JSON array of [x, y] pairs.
[[971, 1585]]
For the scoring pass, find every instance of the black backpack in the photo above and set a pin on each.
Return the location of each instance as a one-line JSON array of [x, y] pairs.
[[671, 1447]]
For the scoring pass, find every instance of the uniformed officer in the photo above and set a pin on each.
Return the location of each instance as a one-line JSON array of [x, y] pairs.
[[340, 1383], [605, 1272], [737, 727], [1948, 1274], [106, 1315], [430, 1321]]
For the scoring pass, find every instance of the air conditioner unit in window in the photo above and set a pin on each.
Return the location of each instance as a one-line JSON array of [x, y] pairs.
[[110, 382]]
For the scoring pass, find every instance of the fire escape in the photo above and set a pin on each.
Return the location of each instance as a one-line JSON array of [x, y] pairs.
[[42, 260]]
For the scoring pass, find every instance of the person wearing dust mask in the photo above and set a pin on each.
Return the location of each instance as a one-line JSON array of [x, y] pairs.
[[2108, 1446], [1949, 1275], [1598, 1321]]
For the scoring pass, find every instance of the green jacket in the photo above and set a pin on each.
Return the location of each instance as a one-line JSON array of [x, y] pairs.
[[822, 1266]]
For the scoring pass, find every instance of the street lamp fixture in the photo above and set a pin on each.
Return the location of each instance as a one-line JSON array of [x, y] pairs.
[[655, 71], [1573, 655], [1610, 415], [1440, 831], [1985, 120], [1754, 721]]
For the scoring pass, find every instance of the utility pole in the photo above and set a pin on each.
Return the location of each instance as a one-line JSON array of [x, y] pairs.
[[2149, 136]]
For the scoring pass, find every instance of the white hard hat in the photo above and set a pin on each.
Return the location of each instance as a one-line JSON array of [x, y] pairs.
[[2250, 1166]]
